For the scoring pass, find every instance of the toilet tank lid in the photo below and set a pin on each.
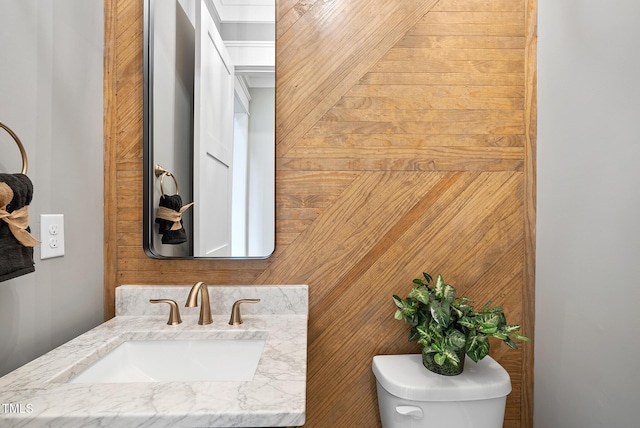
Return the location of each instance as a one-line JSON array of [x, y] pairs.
[[405, 377]]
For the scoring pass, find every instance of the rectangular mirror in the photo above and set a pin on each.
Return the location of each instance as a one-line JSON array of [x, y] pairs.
[[209, 128]]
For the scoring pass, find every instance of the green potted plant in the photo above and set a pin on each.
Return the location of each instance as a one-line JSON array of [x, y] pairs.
[[448, 327]]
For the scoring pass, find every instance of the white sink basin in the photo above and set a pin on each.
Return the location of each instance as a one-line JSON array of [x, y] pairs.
[[176, 360]]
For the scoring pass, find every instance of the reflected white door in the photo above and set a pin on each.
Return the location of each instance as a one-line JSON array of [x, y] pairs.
[[213, 139]]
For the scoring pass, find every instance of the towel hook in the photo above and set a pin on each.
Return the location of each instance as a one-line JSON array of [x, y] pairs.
[[161, 172], [25, 162]]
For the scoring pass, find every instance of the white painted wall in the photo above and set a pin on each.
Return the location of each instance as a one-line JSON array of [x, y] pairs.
[[51, 83], [261, 221], [239, 191], [173, 74], [588, 225]]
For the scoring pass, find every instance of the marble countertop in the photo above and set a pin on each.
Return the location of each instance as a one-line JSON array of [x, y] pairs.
[[37, 394]]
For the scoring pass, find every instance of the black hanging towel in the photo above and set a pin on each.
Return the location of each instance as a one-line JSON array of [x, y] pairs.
[[16, 243], [169, 219], [170, 209]]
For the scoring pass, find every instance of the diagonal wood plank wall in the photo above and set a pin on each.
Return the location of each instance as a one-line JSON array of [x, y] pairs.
[[405, 142]]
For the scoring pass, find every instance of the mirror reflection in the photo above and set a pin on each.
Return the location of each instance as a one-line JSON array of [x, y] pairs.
[[209, 128]]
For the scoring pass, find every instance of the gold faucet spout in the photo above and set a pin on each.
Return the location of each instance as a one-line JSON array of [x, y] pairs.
[[205, 305], [236, 317]]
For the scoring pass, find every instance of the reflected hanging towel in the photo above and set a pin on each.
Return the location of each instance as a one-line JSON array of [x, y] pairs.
[[16, 244], [169, 219]]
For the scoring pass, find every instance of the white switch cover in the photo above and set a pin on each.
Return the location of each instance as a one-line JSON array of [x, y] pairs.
[[51, 235]]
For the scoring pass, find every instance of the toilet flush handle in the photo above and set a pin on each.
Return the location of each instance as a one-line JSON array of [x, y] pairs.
[[413, 411]]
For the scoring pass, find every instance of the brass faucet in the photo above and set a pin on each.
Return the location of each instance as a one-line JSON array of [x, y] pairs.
[[174, 313], [205, 306], [236, 317]]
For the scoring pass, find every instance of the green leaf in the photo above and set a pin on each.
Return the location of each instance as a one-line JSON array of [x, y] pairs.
[[398, 314], [438, 346], [408, 312], [487, 328], [511, 344], [464, 300], [439, 286], [436, 329], [452, 357], [423, 317], [427, 277], [444, 291], [455, 340], [420, 294], [503, 319], [520, 337], [500, 335], [418, 281], [467, 322], [440, 358], [457, 311], [424, 332], [477, 347], [398, 301], [511, 328], [449, 293], [488, 319], [440, 313], [409, 309]]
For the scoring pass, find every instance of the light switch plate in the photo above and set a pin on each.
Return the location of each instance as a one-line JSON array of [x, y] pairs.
[[51, 236]]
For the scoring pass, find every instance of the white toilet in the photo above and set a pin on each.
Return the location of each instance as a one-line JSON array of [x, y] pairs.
[[410, 396]]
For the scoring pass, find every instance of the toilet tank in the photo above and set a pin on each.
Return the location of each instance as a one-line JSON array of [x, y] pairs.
[[410, 396]]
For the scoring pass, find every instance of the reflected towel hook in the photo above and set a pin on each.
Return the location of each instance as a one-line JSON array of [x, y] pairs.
[[25, 162], [161, 173]]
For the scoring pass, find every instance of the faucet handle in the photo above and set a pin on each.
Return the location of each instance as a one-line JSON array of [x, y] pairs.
[[174, 313], [236, 318]]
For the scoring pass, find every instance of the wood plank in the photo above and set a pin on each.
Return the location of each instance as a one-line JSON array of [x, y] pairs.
[[459, 116], [501, 30], [420, 128], [512, 153], [480, 5], [411, 141], [110, 182], [452, 54], [484, 17], [383, 163], [437, 91], [442, 79], [528, 289], [403, 102], [461, 42], [451, 66]]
